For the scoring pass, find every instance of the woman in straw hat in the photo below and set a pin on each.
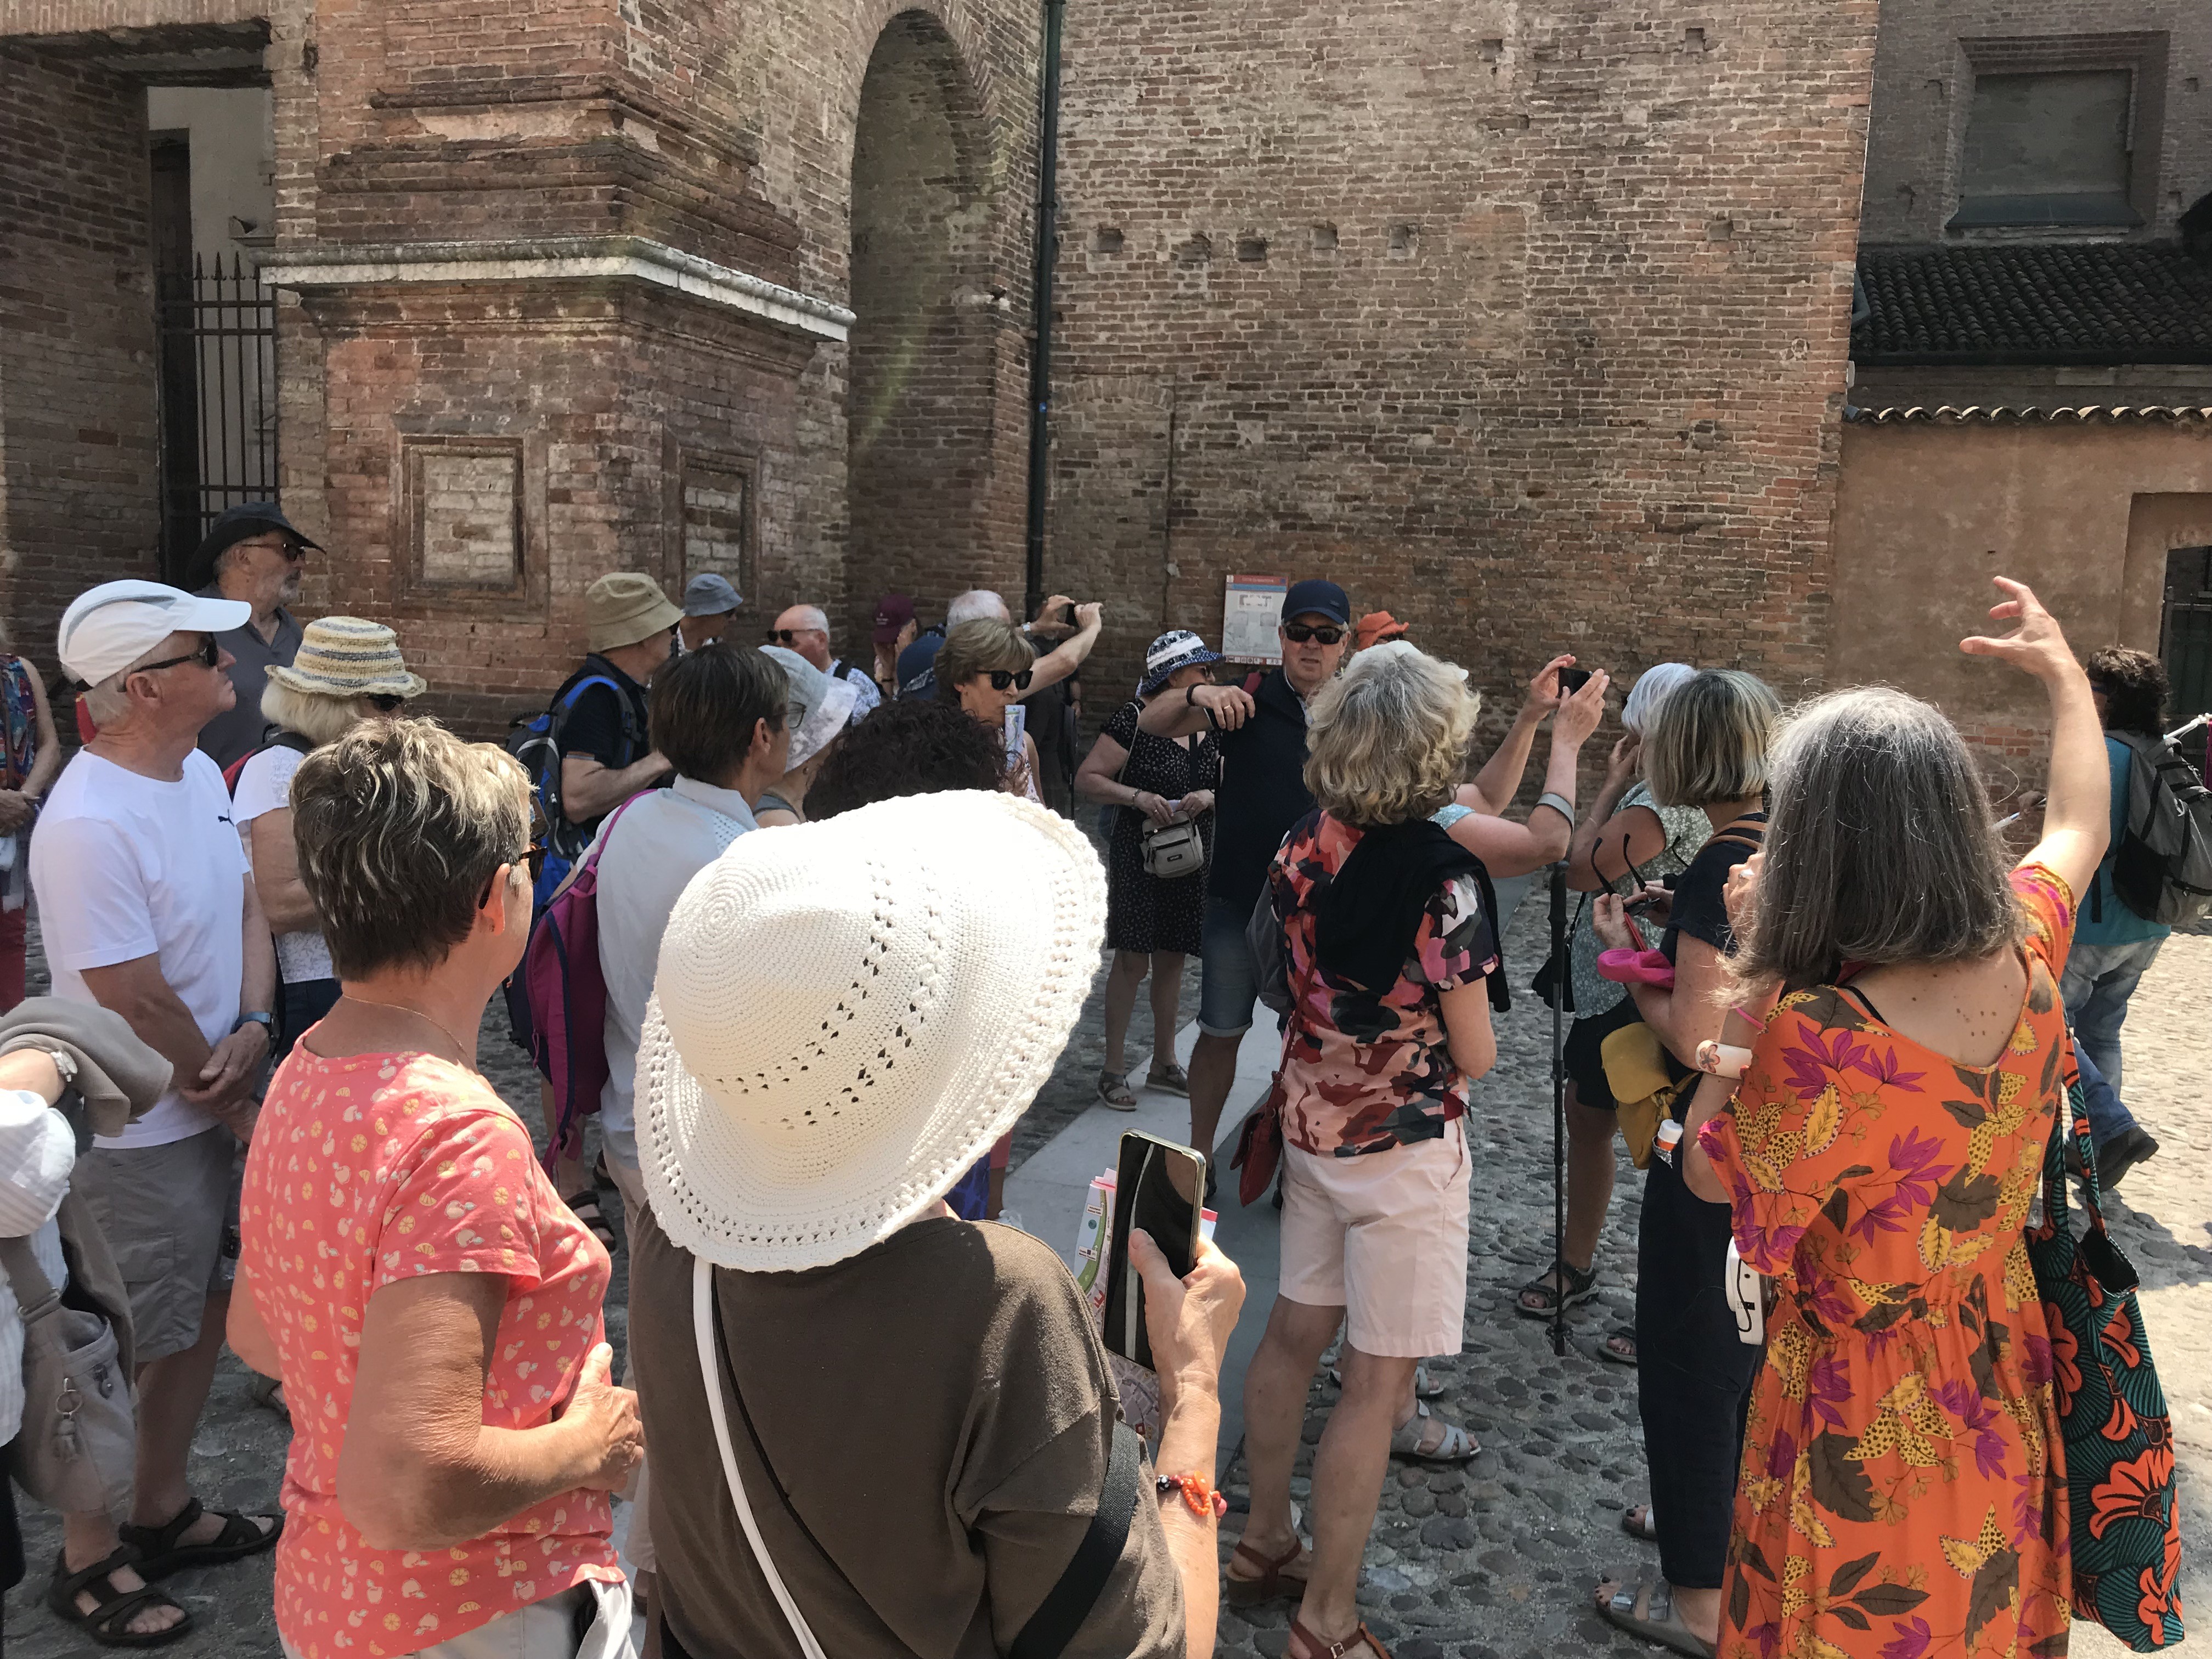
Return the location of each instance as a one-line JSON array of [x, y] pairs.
[[916, 1409], [405, 1263], [347, 670]]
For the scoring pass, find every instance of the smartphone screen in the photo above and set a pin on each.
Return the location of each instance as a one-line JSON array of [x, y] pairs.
[[1572, 680], [1157, 1186]]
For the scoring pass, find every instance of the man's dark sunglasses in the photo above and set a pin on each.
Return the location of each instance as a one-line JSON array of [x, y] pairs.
[[208, 655], [1003, 678], [1299, 633], [386, 702], [788, 636]]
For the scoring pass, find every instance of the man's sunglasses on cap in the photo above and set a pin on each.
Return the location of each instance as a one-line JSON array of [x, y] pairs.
[[1018, 679], [208, 654], [1299, 633]]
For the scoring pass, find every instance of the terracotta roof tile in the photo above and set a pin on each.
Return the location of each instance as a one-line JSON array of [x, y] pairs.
[[2048, 302]]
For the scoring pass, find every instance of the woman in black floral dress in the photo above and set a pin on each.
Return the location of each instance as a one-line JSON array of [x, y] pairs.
[[1151, 924]]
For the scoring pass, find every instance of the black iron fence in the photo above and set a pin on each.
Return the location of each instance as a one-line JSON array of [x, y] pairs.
[[218, 369]]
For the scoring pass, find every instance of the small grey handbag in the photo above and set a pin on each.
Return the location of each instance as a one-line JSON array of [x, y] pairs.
[[76, 1448]]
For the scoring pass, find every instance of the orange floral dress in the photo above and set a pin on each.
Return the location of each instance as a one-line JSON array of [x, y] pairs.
[[1902, 1491]]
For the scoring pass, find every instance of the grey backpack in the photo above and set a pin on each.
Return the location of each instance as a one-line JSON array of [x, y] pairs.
[[2162, 867]]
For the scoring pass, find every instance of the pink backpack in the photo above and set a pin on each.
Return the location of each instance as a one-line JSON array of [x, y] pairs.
[[568, 998]]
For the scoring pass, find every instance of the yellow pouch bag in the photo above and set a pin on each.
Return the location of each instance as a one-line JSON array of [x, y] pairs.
[[1644, 1092]]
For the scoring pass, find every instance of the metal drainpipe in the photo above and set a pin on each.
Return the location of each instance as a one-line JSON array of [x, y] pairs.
[[1048, 252]]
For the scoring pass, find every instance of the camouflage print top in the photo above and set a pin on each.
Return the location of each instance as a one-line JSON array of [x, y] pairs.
[[1363, 1072]]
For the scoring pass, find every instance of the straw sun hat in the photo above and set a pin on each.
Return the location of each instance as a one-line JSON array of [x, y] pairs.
[[348, 657], [849, 1013]]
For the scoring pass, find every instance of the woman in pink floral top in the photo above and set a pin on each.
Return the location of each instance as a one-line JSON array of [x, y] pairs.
[[1903, 1488], [431, 1305], [1388, 951]]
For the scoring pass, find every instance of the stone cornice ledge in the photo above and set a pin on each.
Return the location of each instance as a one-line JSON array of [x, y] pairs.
[[554, 258]]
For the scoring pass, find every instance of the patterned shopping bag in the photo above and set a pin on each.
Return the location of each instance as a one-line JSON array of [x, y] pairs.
[[2119, 1444]]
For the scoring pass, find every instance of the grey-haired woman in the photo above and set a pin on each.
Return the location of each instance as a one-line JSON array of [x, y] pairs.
[[347, 669], [1626, 839], [1152, 922]]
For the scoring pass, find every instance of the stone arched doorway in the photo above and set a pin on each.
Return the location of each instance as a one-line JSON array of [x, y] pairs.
[[923, 363]]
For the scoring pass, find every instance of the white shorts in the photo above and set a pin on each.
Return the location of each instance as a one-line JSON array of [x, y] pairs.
[[1383, 1236]]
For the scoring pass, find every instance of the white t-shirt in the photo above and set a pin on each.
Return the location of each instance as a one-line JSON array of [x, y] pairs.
[[264, 785], [662, 839], [126, 865]]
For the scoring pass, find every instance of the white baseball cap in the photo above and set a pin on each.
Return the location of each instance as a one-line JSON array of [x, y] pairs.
[[108, 628], [849, 1013]]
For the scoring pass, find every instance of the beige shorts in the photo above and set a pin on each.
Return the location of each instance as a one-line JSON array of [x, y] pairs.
[[170, 1216], [1384, 1238]]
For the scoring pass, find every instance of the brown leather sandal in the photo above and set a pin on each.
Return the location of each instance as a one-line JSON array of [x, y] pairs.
[[1315, 1648], [1273, 1584]]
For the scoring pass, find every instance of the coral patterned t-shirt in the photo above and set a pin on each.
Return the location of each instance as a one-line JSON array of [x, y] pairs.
[[375, 1167]]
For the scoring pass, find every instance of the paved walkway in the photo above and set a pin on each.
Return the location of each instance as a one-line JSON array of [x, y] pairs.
[[1495, 1562]]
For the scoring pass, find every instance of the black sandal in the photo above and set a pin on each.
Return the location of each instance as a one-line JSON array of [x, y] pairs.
[[107, 1624], [1581, 1287], [585, 1204], [161, 1553]]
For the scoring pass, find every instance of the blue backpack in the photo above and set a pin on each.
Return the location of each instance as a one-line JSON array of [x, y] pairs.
[[536, 741]]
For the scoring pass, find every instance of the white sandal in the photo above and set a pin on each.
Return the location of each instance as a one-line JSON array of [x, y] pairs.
[[1457, 1446]]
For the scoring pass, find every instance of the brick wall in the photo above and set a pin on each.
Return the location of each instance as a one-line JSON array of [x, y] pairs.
[[77, 424], [1526, 324], [1923, 85]]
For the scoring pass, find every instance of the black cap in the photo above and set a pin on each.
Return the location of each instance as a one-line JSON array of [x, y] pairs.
[[233, 526], [1317, 598]]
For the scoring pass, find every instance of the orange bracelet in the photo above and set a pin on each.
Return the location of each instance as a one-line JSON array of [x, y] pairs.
[[1197, 1492]]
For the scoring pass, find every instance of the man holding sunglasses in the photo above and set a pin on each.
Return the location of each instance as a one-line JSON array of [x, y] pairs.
[[1262, 793], [251, 553], [148, 909]]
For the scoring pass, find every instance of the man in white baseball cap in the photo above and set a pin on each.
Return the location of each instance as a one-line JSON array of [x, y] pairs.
[[846, 1016], [148, 909]]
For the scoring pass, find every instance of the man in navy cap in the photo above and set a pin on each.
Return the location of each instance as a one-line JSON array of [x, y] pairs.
[[251, 552], [1263, 792]]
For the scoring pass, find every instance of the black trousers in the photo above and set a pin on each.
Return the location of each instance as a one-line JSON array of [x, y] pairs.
[[1693, 1376], [304, 1004]]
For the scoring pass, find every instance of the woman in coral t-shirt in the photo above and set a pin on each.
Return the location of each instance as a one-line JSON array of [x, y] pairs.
[[431, 1305]]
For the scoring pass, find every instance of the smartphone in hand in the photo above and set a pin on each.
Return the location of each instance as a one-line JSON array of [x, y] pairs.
[[1159, 1186], [1572, 680]]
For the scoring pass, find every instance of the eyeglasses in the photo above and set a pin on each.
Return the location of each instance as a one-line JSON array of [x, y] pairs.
[[1299, 633], [1003, 678], [790, 635], [290, 552], [208, 655], [532, 860], [385, 702]]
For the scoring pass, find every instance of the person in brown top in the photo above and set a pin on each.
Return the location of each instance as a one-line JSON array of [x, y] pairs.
[[917, 1408]]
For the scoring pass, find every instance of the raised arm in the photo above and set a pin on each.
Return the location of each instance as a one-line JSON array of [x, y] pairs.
[[1179, 713], [1063, 659], [1499, 780], [2077, 815]]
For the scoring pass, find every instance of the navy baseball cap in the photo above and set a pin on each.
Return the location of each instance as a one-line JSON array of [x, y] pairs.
[[1317, 598]]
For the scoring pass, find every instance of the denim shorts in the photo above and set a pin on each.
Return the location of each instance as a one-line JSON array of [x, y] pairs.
[[1229, 984]]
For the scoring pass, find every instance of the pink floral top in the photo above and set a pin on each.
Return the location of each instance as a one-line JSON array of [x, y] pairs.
[[383, 1167], [1362, 1072]]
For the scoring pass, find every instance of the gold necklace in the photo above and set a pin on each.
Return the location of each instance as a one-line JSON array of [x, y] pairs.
[[460, 1048]]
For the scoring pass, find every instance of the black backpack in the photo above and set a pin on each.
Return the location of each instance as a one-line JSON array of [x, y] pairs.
[[2162, 866]]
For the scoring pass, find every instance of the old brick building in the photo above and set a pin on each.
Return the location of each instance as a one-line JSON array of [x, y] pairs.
[[1529, 322], [2033, 359]]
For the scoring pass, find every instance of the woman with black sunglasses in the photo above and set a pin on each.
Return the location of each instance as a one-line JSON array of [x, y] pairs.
[[985, 668], [347, 669]]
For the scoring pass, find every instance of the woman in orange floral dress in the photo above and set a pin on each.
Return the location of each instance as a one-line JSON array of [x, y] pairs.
[[1902, 1491]]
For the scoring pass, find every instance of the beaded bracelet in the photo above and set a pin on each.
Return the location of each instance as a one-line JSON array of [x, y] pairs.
[[1197, 1492]]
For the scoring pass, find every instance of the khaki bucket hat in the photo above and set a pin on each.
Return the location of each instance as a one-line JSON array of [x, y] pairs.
[[624, 608]]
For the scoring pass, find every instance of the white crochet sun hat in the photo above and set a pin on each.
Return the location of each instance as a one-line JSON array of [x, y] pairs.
[[849, 1013]]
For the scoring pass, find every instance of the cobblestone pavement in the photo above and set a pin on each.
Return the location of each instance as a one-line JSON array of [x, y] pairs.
[[1494, 1562]]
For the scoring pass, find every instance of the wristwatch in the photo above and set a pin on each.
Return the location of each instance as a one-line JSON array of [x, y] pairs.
[[258, 1016]]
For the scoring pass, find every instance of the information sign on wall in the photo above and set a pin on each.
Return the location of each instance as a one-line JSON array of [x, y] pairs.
[[1250, 615]]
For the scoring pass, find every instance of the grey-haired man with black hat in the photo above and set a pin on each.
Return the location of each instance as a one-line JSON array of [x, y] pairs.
[[251, 552]]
